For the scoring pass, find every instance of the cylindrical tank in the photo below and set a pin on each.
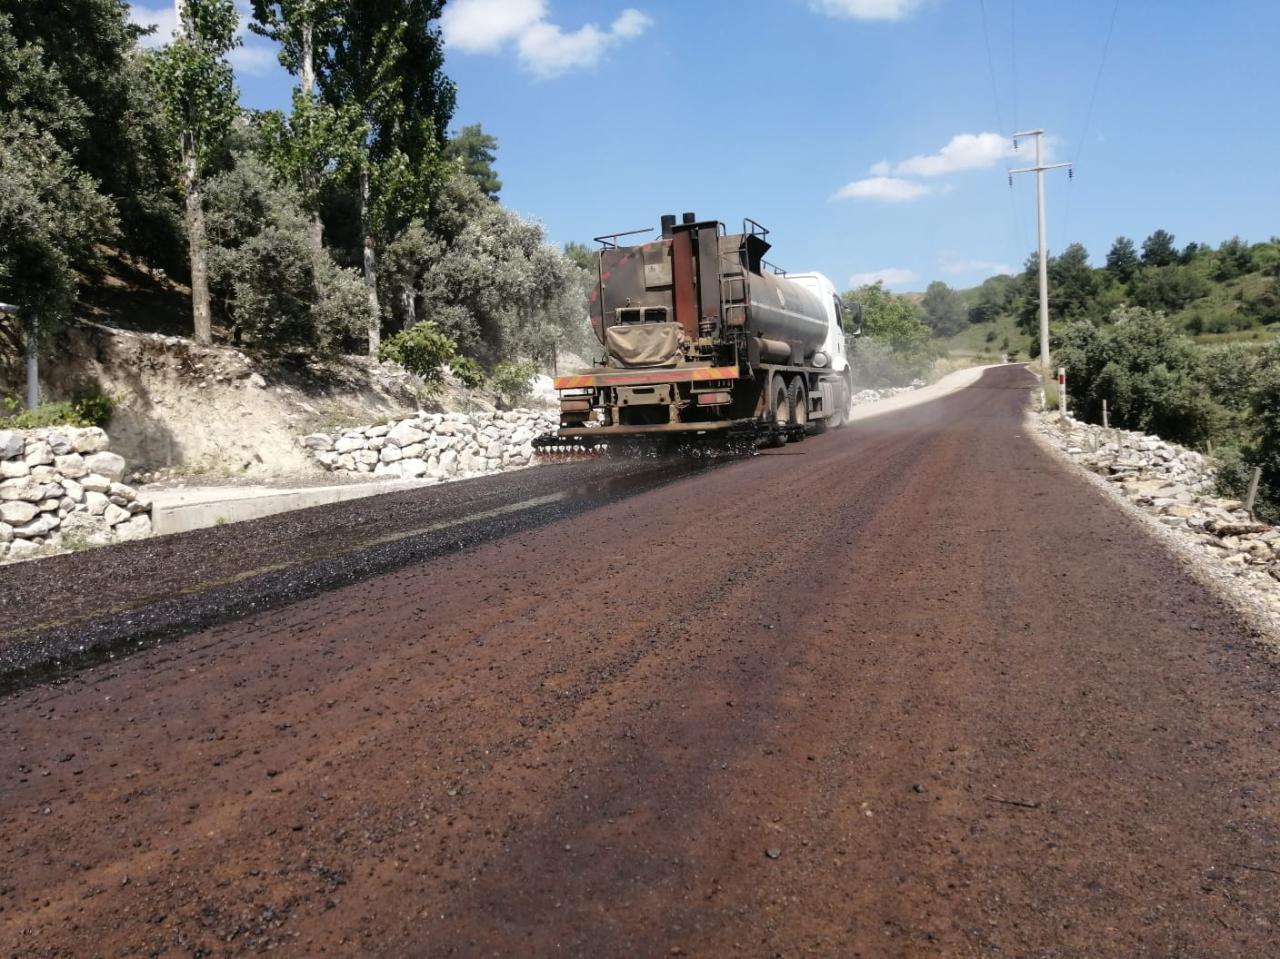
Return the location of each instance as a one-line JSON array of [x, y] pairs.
[[778, 309]]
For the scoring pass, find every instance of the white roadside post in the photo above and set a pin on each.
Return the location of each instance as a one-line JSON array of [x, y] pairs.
[[1038, 170], [1062, 394], [1105, 424]]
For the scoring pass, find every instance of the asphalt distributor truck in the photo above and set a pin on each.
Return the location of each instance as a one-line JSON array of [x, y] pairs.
[[705, 341]]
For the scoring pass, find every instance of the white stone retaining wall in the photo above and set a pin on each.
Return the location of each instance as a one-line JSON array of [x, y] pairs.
[[60, 488], [435, 446]]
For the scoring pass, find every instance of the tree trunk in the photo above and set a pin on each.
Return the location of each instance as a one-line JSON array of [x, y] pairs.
[[409, 304], [309, 88], [370, 267], [203, 325]]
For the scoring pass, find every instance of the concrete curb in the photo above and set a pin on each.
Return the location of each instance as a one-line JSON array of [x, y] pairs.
[[181, 510]]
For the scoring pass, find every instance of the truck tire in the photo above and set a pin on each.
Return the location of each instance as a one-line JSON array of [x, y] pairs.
[[798, 403], [781, 410]]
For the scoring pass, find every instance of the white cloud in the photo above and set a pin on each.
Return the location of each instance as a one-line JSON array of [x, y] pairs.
[[889, 276], [867, 9], [483, 26], [543, 47], [163, 18], [959, 266], [887, 188], [252, 56], [965, 151]]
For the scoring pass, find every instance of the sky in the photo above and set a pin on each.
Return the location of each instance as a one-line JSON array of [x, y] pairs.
[[870, 136]]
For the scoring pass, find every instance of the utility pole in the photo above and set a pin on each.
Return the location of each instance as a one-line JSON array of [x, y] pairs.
[[1038, 170]]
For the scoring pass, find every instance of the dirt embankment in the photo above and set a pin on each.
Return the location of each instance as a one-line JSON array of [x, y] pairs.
[[215, 411]]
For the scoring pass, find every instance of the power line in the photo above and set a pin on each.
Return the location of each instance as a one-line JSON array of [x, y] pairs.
[[991, 66], [1097, 82], [1013, 55]]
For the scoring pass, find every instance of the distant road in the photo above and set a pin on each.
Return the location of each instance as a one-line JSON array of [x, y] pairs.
[[906, 689]]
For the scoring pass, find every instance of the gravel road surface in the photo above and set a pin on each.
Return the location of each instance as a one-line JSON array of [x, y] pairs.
[[907, 689]]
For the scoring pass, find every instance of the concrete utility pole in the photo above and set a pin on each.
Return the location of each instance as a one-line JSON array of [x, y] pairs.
[[1038, 170]]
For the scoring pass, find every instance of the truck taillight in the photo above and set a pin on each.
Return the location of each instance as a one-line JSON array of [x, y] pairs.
[[718, 398], [575, 405]]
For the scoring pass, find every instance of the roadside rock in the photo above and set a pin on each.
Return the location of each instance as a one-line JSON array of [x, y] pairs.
[[60, 489]]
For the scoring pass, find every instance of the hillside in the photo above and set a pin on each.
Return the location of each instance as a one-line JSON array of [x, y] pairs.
[[1230, 294]]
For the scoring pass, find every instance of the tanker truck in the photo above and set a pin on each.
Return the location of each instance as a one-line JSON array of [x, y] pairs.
[[705, 340]]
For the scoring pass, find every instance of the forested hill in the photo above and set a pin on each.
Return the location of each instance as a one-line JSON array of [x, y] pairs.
[[1214, 294]]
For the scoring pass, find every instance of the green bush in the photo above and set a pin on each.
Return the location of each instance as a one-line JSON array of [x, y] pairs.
[[92, 410], [422, 350], [1151, 376], [514, 381], [468, 372]]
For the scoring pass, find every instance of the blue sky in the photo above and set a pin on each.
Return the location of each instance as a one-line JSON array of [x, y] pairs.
[[866, 133]]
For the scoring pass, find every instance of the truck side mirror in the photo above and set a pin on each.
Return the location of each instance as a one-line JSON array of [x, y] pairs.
[[855, 319]]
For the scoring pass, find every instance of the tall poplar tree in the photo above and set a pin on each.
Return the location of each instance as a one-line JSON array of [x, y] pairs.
[[385, 62], [317, 140], [197, 88]]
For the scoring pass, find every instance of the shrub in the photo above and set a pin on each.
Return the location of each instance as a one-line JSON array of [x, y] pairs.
[[1151, 376], [514, 381], [92, 410], [422, 350], [468, 372]]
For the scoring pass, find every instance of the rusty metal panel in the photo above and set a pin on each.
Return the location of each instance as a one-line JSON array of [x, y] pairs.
[[657, 265], [709, 276], [686, 297]]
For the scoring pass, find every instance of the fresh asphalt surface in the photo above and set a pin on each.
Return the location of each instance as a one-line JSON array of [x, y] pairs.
[[906, 689]]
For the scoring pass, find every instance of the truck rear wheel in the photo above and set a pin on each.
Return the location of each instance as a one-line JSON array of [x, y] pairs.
[[781, 412], [798, 403]]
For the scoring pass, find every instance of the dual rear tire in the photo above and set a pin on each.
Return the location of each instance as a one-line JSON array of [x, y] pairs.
[[790, 406]]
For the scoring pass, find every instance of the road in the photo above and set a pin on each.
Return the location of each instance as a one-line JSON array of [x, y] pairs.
[[907, 689]]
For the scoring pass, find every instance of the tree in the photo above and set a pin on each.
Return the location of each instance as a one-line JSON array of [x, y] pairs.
[[52, 213], [276, 292], [385, 65], [1168, 288], [992, 299], [197, 88], [490, 280], [1122, 259], [119, 139], [892, 320], [1073, 285], [1151, 376], [1234, 258], [476, 151], [1158, 249], [944, 309], [317, 141], [582, 255]]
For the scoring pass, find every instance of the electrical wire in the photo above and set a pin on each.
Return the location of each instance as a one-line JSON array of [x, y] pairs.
[[1013, 55], [1097, 82], [991, 66]]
